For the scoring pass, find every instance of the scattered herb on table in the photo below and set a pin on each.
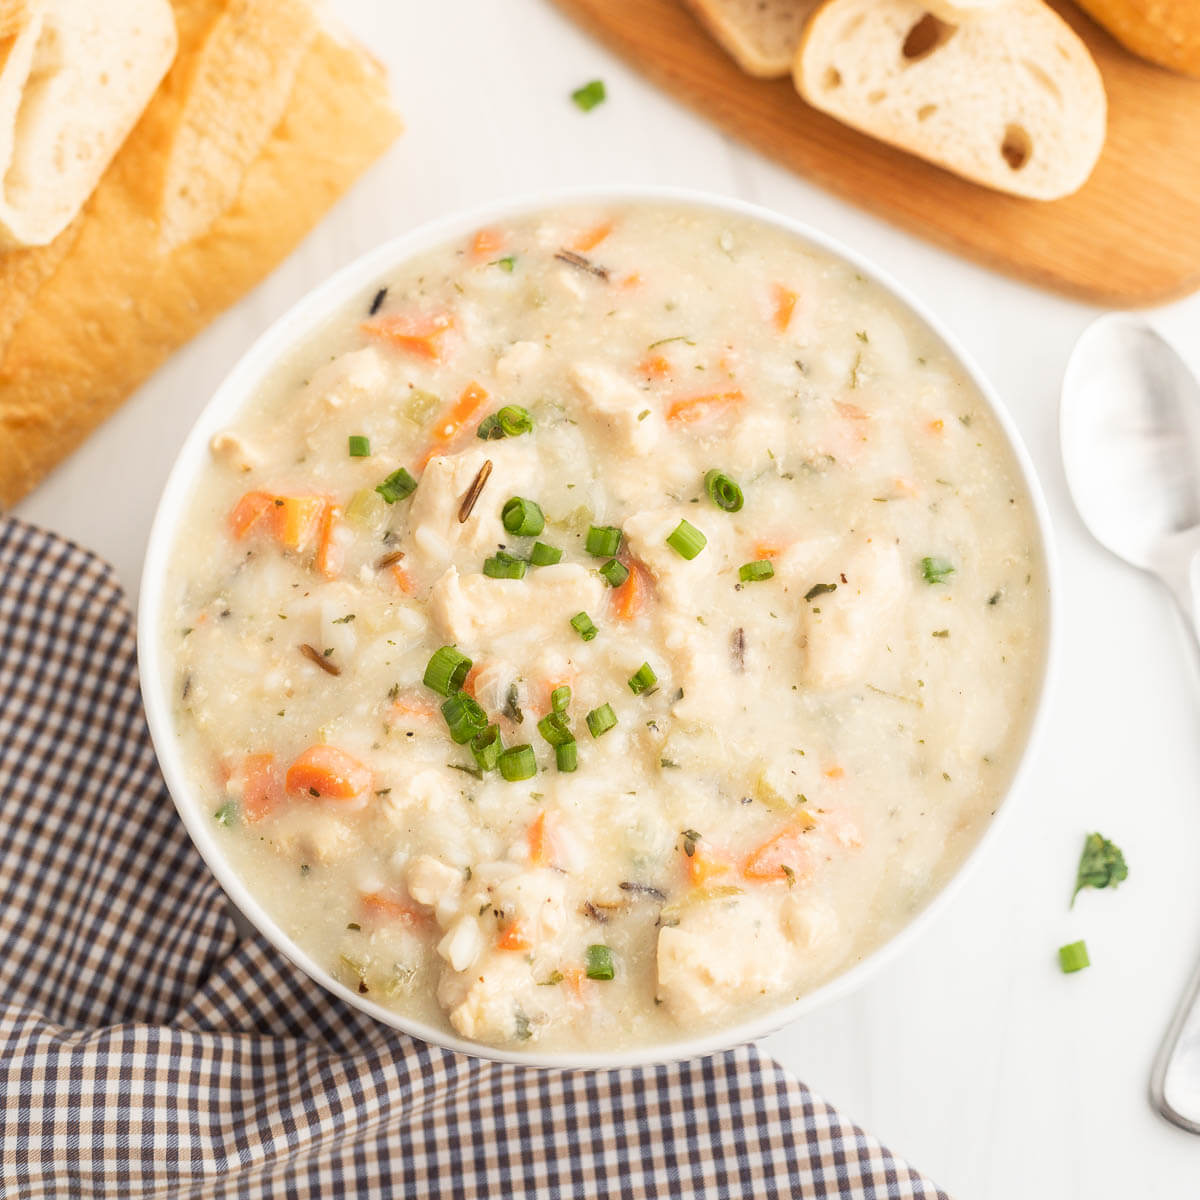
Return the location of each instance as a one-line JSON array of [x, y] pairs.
[[1101, 865], [589, 95], [1073, 958]]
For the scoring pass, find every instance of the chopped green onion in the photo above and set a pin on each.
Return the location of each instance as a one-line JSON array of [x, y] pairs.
[[614, 572], [446, 671], [560, 699], [365, 508], [642, 679], [566, 756], [522, 517], [397, 486], [543, 555], [601, 720], [723, 491], [1073, 957], [509, 421], [600, 963], [360, 447], [503, 565], [752, 572], [518, 762], [582, 624], [226, 815], [486, 748], [589, 95], [464, 717], [420, 405], [687, 540], [935, 570], [505, 263], [553, 727], [603, 541]]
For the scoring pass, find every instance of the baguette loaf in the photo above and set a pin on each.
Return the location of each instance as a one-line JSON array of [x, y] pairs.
[[1166, 32], [75, 76], [87, 318], [760, 35], [1009, 98]]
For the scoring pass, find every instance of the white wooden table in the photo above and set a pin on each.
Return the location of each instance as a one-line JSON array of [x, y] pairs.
[[971, 1055]]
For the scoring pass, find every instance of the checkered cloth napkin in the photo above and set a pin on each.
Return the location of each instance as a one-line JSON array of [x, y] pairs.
[[147, 1049]]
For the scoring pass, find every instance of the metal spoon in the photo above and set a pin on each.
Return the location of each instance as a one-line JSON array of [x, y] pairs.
[[1130, 428]]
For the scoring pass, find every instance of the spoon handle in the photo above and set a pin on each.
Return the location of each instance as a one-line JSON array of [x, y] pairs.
[[1175, 1082]]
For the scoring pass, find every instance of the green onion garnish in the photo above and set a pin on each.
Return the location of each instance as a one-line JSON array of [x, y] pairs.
[[752, 572], [1073, 957], [600, 963], [560, 699], [603, 541], [566, 756], [360, 447], [226, 815], [397, 486], [509, 421], [601, 720], [522, 517], [553, 727], [614, 572], [464, 717], [486, 747], [518, 762], [589, 95], [543, 555], [505, 264], [687, 540], [642, 679], [446, 671], [503, 565], [935, 570], [723, 491], [582, 624]]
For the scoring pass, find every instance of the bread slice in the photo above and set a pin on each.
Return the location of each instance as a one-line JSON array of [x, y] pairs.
[[1010, 98], [77, 75], [962, 10], [760, 35], [99, 309], [1166, 32]]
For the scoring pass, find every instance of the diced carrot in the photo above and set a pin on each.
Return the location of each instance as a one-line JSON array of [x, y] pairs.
[[248, 512], [452, 422], [387, 907], [260, 791], [654, 366], [418, 334], [767, 549], [329, 774], [561, 679], [576, 981], [330, 555], [514, 938], [852, 411], [540, 837], [937, 426], [695, 408], [402, 578], [591, 238], [785, 303], [835, 772], [702, 864], [296, 519], [486, 243], [630, 598], [786, 849], [468, 684]]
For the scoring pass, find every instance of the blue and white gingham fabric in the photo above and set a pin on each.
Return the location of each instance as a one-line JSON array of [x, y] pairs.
[[147, 1049]]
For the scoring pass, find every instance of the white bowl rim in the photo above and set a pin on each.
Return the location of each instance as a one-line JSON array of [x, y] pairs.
[[309, 314]]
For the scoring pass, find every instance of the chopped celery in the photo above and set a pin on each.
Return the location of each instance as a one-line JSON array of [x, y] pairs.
[[420, 405]]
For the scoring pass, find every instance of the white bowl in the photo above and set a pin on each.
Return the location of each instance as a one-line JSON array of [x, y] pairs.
[[305, 318]]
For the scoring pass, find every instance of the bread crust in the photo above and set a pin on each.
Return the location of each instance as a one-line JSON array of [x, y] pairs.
[[101, 307], [1166, 32], [737, 39]]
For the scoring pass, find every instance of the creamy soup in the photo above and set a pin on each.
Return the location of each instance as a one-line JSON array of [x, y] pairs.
[[615, 624]]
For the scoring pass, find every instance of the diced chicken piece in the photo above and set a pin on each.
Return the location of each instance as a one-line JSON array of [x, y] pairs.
[[752, 442], [620, 407], [427, 791], [431, 882], [474, 611], [359, 375], [462, 943], [234, 451], [537, 899], [701, 659], [520, 360], [569, 282], [680, 580], [722, 953], [436, 530], [844, 630], [485, 1004], [808, 922], [311, 836]]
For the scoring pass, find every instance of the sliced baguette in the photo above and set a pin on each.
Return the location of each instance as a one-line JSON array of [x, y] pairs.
[[77, 75], [962, 10], [1010, 98], [761, 36], [1166, 32]]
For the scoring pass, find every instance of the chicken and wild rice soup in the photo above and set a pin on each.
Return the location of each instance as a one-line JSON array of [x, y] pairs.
[[613, 625]]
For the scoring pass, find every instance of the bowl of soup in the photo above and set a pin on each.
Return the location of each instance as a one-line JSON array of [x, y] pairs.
[[596, 630]]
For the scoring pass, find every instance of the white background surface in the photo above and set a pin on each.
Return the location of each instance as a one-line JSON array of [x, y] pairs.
[[971, 1055]]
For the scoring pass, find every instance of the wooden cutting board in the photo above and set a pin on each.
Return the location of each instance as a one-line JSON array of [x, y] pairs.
[[1130, 237]]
